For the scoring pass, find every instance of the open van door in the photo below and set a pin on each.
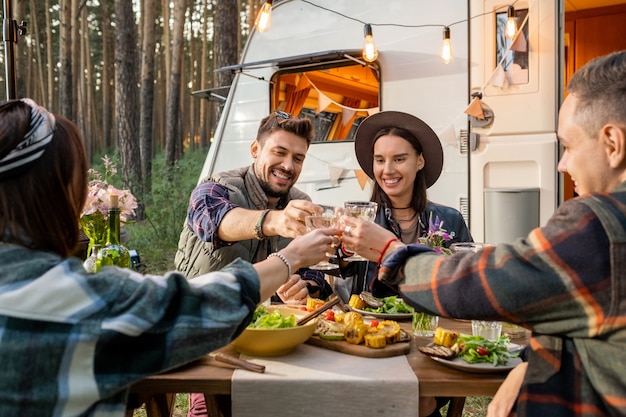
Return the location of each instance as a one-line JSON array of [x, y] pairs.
[[513, 148]]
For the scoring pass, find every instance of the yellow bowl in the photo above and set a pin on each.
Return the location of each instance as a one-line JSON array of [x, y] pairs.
[[275, 342]]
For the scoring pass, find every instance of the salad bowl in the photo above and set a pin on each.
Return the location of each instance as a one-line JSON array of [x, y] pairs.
[[275, 341]]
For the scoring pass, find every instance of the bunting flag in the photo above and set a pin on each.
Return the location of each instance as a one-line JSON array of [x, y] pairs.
[[303, 83], [448, 135], [520, 44], [335, 174], [322, 103], [346, 116], [475, 109], [362, 177]]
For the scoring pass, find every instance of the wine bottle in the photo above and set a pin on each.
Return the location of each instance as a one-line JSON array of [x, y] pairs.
[[113, 253]]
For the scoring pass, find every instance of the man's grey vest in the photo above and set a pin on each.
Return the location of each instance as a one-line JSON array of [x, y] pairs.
[[195, 257]]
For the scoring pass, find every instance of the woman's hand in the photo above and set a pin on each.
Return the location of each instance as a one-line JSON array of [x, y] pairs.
[[311, 248], [303, 251], [365, 238], [293, 291]]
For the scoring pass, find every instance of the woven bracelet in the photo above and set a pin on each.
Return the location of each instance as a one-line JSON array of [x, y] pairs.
[[258, 228]]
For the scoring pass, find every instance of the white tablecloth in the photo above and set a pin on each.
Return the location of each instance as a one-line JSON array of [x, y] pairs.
[[316, 382]]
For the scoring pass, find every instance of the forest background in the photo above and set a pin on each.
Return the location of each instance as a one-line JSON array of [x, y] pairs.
[[124, 71]]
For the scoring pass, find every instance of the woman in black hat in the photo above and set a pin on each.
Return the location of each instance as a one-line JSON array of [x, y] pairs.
[[403, 156]]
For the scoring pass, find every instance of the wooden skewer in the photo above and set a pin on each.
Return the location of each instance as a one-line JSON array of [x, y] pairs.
[[329, 304], [240, 363]]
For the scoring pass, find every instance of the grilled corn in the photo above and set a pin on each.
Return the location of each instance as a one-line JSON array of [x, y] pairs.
[[445, 337], [356, 302]]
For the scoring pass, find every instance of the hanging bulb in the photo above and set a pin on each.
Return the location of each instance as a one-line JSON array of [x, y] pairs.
[[511, 26], [264, 18], [446, 50], [369, 49]]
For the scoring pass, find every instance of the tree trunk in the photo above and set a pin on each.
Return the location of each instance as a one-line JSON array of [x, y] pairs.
[[204, 78], [226, 43], [126, 98], [77, 78], [173, 95], [50, 103], [108, 76], [65, 59], [146, 130]]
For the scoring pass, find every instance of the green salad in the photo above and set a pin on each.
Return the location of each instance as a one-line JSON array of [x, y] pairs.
[[477, 349], [391, 305], [263, 319]]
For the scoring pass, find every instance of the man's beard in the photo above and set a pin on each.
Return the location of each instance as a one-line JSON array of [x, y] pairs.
[[270, 192]]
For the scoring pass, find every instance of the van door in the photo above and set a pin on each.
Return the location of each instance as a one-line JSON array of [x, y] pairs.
[[513, 146]]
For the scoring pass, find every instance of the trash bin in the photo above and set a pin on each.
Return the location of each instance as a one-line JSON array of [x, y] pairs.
[[510, 213]]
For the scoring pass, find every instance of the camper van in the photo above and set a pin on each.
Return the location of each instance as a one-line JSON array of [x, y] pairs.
[[493, 101]]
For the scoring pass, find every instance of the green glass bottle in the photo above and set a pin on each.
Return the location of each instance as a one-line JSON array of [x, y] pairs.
[[113, 253]]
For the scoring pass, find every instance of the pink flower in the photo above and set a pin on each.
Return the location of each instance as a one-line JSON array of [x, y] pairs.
[[93, 219]]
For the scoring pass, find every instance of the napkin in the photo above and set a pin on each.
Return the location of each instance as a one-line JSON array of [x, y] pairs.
[[317, 382]]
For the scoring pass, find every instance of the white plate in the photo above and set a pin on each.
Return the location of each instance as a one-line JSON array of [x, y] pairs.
[[479, 368], [384, 316]]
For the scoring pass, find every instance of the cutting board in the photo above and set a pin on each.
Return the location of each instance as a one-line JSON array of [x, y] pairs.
[[395, 349]]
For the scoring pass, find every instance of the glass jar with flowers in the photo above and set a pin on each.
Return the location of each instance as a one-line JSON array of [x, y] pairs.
[[425, 324], [94, 216]]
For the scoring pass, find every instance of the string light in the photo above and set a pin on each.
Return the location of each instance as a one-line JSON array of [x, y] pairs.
[[264, 18], [511, 26], [369, 48], [446, 49], [370, 53]]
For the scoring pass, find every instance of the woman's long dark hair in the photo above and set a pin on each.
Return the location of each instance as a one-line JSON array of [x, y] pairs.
[[41, 204], [418, 199]]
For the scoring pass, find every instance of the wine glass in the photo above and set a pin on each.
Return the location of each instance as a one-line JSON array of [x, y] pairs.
[[364, 210], [321, 222]]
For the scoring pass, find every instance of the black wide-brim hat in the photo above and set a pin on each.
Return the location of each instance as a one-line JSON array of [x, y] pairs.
[[431, 146]]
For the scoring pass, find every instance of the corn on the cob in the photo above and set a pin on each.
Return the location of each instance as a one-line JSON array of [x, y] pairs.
[[445, 337], [356, 302], [375, 340], [355, 333], [391, 330], [352, 317], [313, 303]]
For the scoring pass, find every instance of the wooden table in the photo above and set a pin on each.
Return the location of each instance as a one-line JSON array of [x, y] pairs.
[[214, 379]]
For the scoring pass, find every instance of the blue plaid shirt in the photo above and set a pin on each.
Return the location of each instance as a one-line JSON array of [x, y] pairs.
[[71, 343]]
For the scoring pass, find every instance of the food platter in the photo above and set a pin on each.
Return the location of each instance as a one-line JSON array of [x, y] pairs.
[[479, 368], [384, 316]]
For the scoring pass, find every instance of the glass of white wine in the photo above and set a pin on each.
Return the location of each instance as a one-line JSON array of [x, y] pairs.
[[320, 222], [364, 210]]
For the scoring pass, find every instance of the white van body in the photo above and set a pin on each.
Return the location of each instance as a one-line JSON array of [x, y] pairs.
[[517, 151]]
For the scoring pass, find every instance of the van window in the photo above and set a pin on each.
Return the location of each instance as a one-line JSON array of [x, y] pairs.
[[335, 98], [515, 61]]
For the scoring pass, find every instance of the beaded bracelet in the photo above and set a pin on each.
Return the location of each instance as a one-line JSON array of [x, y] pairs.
[[258, 228], [285, 261]]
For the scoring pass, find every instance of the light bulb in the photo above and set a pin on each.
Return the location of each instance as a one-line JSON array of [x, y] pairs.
[[511, 26], [369, 49], [446, 50], [264, 18]]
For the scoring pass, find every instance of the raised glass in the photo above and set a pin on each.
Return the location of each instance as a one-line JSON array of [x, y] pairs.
[[364, 210]]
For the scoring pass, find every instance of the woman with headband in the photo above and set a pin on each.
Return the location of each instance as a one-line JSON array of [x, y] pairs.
[[72, 343]]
